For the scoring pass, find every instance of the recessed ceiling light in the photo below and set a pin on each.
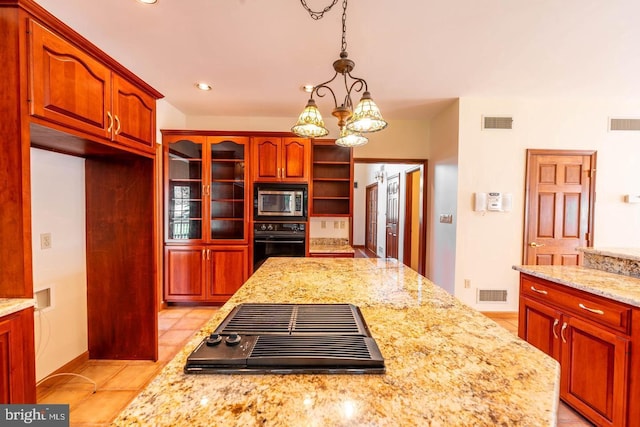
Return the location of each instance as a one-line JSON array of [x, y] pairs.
[[203, 86], [307, 88], [148, 1]]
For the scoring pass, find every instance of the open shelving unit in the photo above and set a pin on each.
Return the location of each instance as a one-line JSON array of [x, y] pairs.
[[332, 179]]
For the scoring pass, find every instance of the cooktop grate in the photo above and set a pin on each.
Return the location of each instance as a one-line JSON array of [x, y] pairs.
[[289, 338], [293, 319]]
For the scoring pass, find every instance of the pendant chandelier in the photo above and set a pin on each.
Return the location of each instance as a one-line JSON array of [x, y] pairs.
[[352, 123]]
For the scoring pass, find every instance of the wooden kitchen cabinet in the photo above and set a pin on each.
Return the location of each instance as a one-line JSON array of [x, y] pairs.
[[17, 356], [590, 336], [71, 88], [332, 179], [204, 273], [206, 216], [281, 159]]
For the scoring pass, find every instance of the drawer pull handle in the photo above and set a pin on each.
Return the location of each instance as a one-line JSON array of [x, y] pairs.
[[553, 328], [592, 310], [564, 326], [540, 291]]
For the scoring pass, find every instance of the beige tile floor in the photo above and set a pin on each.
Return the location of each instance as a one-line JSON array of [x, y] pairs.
[[118, 382]]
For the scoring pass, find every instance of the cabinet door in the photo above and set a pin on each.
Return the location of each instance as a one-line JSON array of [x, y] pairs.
[[539, 325], [267, 159], [184, 188], [17, 358], [184, 273], [68, 86], [133, 114], [296, 159], [229, 269], [228, 189], [594, 371]]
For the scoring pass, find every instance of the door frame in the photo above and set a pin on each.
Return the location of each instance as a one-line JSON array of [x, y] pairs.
[[367, 218], [408, 215], [422, 165], [397, 212], [592, 191]]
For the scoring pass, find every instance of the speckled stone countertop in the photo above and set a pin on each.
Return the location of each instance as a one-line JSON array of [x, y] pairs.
[[624, 253], [13, 305], [614, 260], [330, 246], [446, 364], [614, 286]]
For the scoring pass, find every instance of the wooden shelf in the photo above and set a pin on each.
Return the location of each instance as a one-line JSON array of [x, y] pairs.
[[332, 179]]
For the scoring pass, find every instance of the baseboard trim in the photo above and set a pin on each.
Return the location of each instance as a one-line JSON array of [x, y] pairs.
[[71, 366]]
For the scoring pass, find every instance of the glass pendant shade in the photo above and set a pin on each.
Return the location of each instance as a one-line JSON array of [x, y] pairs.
[[366, 117], [310, 123], [348, 139]]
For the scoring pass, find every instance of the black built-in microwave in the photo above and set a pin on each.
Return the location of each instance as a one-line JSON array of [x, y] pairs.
[[279, 202]]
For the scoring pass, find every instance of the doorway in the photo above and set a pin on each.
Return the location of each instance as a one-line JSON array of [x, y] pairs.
[[374, 173], [559, 201], [371, 218], [412, 219]]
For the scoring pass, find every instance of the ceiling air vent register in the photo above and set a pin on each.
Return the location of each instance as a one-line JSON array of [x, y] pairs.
[[624, 124], [497, 122]]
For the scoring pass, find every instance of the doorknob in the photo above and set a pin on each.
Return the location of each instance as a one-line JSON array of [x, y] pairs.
[[536, 245]]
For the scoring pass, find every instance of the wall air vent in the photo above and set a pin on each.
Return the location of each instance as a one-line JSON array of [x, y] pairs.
[[500, 122], [492, 295], [624, 124]]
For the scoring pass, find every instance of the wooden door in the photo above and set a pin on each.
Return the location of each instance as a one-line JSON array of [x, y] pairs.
[[68, 86], [296, 159], [594, 371], [393, 207], [134, 115], [371, 218], [559, 206], [266, 159], [184, 273], [228, 270], [539, 325]]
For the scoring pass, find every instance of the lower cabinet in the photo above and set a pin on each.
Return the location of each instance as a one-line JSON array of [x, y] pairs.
[[17, 358], [590, 337], [206, 273]]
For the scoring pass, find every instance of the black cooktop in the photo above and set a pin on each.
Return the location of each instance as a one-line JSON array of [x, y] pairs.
[[288, 339]]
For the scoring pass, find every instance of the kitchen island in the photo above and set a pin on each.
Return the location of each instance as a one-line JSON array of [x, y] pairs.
[[446, 364]]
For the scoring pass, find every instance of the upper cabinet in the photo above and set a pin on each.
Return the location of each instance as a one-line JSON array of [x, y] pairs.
[[206, 188], [278, 159], [69, 87], [332, 179]]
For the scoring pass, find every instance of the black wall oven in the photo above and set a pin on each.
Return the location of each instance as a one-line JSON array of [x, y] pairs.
[[277, 239]]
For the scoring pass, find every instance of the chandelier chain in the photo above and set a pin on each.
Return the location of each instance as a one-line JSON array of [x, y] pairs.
[[343, 48], [318, 14]]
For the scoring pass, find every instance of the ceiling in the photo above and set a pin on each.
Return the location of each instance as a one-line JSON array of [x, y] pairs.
[[416, 55]]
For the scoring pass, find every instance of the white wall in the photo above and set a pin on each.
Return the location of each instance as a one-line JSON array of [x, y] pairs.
[[492, 160], [58, 207], [168, 117], [443, 198]]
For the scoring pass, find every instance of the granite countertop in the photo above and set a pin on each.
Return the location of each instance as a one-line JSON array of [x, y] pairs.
[[609, 285], [13, 305], [446, 364], [623, 253], [330, 246]]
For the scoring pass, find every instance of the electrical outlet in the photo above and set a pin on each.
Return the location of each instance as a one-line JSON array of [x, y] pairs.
[[467, 283], [323, 224], [45, 241], [336, 224], [342, 224]]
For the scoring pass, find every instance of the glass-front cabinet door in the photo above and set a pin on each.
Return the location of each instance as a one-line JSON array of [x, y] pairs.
[[184, 188], [228, 205]]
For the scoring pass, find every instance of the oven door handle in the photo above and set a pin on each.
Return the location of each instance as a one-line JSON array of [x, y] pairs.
[[279, 241]]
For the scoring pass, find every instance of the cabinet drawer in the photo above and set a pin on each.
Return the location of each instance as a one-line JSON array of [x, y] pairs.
[[592, 307]]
